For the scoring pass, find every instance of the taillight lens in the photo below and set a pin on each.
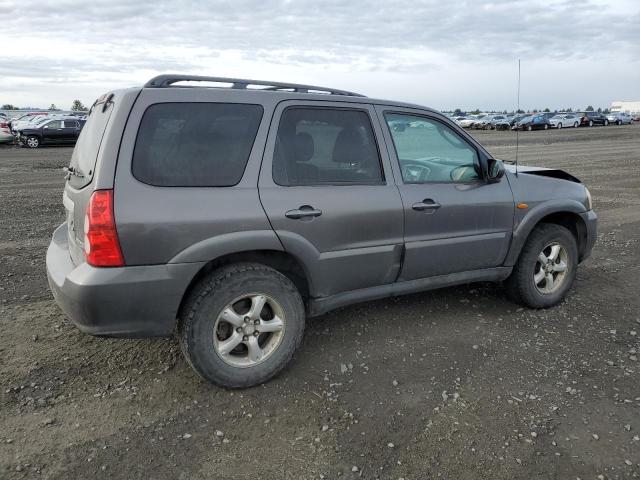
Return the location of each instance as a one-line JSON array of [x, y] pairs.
[[101, 245]]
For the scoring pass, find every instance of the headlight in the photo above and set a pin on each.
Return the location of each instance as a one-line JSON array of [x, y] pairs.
[[589, 200]]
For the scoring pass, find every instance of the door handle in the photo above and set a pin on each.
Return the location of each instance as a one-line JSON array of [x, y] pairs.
[[303, 212], [426, 204]]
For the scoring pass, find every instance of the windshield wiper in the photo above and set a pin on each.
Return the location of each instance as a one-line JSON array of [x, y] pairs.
[[71, 171]]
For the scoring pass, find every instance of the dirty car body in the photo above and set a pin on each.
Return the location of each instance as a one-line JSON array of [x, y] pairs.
[[325, 194]]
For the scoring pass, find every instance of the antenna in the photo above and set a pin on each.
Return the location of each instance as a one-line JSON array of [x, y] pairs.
[[517, 113]]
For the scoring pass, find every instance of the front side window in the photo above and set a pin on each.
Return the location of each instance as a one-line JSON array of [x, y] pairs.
[[70, 124], [430, 151], [195, 144], [325, 146], [54, 124]]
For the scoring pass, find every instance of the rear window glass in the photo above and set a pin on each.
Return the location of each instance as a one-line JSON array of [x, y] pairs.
[[195, 144]]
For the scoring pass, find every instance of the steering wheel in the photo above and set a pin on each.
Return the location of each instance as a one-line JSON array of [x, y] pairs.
[[415, 172], [463, 173]]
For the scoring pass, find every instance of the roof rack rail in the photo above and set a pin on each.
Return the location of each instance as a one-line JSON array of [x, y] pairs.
[[164, 81]]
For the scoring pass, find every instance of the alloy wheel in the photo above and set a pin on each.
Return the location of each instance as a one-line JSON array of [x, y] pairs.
[[248, 330], [551, 268]]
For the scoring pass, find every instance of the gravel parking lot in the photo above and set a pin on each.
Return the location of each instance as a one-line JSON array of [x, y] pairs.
[[456, 383]]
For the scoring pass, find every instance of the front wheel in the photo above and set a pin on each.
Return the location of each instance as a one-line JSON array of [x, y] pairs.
[[575, 125], [33, 142], [618, 122], [241, 325], [546, 126], [529, 128], [606, 123], [546, 267], [559, 126], [591, 123]]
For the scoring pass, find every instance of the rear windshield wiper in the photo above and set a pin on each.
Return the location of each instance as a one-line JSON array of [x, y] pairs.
[[71, 171]]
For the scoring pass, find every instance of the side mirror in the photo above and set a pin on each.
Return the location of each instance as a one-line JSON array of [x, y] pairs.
[[46, 126], [495, 170]]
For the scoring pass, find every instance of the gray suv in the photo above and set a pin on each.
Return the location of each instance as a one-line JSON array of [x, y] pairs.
[[228, 213]]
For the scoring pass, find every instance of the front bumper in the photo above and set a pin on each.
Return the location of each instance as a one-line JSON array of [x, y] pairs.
[[591, 222], [137, 301]]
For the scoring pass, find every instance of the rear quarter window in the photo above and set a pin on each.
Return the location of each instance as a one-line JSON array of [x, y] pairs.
[[195, 144]]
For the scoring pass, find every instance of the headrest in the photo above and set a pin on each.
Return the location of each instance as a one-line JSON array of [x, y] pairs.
[[303, 143], [348, 147]]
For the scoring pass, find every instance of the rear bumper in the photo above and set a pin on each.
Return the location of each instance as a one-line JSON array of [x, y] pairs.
[[138, 301]]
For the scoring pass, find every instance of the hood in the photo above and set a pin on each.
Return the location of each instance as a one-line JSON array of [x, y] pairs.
[[542, 172]]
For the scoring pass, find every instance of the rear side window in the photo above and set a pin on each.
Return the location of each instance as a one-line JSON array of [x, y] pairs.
[[195, 144], [325, 146]]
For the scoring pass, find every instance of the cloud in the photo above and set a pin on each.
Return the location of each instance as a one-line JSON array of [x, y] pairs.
[[81, 42]]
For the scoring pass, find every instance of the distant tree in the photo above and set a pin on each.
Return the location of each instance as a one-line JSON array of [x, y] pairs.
[[589, 108], [8, 106], [569, 109], [546, 110], [457, 112], [77, 106], [520, 111], [504, 112], [476, 111], [53, 107], [606, 111]]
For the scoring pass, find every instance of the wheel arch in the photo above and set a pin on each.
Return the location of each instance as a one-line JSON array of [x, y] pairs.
[[566, 216], [281, 261]]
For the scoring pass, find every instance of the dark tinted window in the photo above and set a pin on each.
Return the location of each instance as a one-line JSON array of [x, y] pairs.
[[54, 124], [316, 146], [195, 144], [70, 124]]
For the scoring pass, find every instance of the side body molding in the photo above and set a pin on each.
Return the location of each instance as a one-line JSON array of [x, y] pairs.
[[525, 225]]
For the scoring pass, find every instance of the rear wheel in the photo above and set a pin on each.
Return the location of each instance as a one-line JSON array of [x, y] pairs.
[[33, 142], [618, 122], [559, 125], [546, 126], [546, 267], [575, 125], [591, 123], [241, 325], [529, 128], [606, 123]]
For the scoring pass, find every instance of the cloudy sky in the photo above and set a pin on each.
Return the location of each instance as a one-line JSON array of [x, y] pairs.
[[444, 54]]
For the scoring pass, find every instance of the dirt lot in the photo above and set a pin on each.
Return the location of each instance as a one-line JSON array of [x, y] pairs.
[[457, 383]]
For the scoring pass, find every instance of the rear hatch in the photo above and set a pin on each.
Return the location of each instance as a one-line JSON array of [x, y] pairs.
[[80, 173]]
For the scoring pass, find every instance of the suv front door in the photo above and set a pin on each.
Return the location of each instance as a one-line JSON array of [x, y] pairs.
[[327, 187], [454, 220], [52, 132]]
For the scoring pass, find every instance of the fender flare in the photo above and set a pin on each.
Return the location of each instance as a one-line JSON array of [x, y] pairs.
[[532, 218]]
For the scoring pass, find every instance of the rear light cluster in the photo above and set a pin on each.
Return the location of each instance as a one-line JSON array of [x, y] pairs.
[[101, 245]]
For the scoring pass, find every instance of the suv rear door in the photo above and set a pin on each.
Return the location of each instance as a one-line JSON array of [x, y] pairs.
[[454, 220], [327, 187]]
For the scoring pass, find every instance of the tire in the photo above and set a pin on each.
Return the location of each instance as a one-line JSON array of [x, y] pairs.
[[32, 141], [576, 125], [529, 128], [606, 123], [546, 126], [559, 126], [522, 286], [591, 123], [203, 330], [618, 122]]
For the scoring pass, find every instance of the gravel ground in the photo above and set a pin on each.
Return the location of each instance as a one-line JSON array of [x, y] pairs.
[[456, 383]]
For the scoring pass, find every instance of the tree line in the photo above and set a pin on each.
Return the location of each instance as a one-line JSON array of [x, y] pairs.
[[76, 106]]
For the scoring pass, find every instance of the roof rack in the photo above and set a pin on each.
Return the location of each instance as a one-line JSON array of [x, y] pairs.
[[164, 81]]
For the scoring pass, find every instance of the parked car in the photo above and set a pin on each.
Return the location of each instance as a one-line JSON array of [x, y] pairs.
[[295, 187], [29, 122], [562, 120], [470, 121], [500, 122], [485, 122], [5, 133], [51, 132], [533, 122], [24, 117], [592, 118], [620, 118]]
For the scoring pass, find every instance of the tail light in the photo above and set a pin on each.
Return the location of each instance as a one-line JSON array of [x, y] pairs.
[[101, 244], [4, 125]]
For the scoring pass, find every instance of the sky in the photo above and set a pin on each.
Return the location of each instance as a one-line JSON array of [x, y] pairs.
[[438, 53]]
